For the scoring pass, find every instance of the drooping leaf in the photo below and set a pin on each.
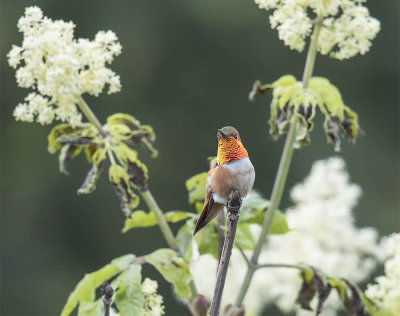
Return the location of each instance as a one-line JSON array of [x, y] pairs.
[[353, 302], [78, 136], [138, 174], [129, 297], [126, 128], [137, 171], [85, 289], [317, 285], [174, 269], [143, 219], [120, 179], [196, 188], [67, 152], [290, 98], [89, 184]]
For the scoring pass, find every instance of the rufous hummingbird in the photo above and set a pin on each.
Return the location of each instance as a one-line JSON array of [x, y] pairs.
[[233, 170]]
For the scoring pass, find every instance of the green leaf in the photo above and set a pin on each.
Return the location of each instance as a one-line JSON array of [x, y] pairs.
[[174, 269], [184, 238], [279, 224], [253, 212], [85, 289], [244, 237], [143, 219], [91, 308], [196, 188], [129, 297], [207, 240]]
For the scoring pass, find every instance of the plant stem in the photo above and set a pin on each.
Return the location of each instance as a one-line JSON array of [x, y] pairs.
[[233, 208], [162, 223], [87, 111], [146, 194], [283, 169], [279, 265], [312, 53]]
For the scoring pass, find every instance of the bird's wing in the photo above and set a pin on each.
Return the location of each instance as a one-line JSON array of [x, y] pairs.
[[210, 208]]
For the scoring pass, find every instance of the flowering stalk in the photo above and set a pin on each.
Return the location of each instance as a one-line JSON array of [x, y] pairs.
[[87, 111], [283, 169]]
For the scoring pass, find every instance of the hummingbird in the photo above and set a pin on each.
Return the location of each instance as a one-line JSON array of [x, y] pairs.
[[233, 170]]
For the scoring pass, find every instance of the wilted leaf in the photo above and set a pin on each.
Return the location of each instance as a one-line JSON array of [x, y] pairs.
[[138, 174], [143, 219], [126, 128], [129, 296], [353, 302], [318, 284], [119, 178], [174, 269], [66, 134], [85, 289], [67, 152], [89, 184]]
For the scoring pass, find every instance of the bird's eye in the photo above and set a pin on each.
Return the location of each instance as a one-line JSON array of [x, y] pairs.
[[236, 136]]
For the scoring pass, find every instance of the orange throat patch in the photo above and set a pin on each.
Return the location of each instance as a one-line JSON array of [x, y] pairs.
[[230, 149]]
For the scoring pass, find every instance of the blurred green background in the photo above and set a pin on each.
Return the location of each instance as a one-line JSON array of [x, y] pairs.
[[186, 69]]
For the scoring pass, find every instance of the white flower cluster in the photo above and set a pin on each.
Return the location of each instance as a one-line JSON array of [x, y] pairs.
[[322, 234], [60, 67], [386, 291], [152, 301], [347, 27]]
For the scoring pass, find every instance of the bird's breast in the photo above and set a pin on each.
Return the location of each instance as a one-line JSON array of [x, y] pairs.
[[237, 174]]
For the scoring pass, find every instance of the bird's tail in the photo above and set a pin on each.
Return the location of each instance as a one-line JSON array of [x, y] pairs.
[[210, 210]]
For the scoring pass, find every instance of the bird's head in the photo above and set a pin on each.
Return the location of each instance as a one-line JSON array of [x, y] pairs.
[[230, 145]]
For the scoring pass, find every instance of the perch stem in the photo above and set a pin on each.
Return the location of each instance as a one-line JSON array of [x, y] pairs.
[[233, 208]]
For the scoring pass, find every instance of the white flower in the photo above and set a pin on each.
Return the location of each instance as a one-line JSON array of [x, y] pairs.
[[386, 291], [23, 113], [322, 234], [347, 28], [152, 301], [60, 67]]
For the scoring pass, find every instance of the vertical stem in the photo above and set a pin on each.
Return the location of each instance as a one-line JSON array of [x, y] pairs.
[[283, 169], [162, 223], [87, 111], [312, 53]]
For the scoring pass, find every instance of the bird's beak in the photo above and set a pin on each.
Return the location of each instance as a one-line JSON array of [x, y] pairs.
[[221, 134]]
